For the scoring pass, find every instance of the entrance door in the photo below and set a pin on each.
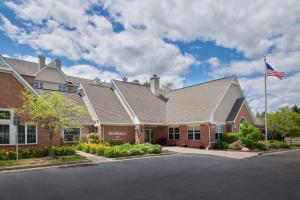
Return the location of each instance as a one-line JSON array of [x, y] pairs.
[[149, 135]]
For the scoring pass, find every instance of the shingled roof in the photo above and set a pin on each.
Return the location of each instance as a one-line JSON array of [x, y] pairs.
[[23, 67], [195, 103], [105, 103], [146, 106], [235, 109]]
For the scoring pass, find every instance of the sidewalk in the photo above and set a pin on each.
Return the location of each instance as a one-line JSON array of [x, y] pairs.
[[94, 158], [228, 154]]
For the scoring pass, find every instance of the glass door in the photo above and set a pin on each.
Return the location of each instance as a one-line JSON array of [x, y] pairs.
[[149, 135]]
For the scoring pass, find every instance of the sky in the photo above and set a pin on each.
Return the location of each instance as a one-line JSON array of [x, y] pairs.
[[183, 42]]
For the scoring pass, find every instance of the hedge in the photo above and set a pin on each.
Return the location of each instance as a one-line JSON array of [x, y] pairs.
[[115, 151], [36, 153]]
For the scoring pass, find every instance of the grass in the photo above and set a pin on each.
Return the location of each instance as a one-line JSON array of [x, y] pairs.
[[41, 161]]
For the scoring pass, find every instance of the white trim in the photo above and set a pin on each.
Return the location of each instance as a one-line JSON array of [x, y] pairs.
[[19, 77], [173, 133], [221, 99], [136, 120], [89, 106], [249, 111], [194, 137]]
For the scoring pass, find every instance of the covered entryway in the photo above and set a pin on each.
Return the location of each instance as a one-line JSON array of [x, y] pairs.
[[149, 135]]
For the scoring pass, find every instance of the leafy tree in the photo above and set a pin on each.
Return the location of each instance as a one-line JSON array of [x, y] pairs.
[[249, 135], [167, 86], [283, 123], [146, 84], [52, 111], [136, 81], [296, 109]]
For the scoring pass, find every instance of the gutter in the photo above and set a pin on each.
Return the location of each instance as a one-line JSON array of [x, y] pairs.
[[208, 147]]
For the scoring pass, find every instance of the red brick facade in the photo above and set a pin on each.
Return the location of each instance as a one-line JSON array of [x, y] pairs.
[[244, 113], [10, 92]]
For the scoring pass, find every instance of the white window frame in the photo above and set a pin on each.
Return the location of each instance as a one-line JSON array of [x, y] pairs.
[[194, 137], [26, 133], [38, 84], [173, 133], [73, 140], [219, 130], [13, 130], [10, 124], [62, 87]]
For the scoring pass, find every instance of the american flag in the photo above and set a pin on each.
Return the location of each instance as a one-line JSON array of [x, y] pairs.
[[272, 72]]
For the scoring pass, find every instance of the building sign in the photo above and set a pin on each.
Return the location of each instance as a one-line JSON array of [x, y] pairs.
[[116, 133]]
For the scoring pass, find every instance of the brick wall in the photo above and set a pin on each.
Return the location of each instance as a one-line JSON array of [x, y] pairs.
[[243, 113], [11, 96], [183, 137]]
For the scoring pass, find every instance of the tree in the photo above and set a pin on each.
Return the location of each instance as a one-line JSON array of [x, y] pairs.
[[167, 86], [136, 81], [52, 111], [296, 109], [249, 135], [283, 123], [146, 84]]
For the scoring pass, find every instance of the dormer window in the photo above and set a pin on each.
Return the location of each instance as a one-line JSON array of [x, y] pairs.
[[62, 88], [38, 84]]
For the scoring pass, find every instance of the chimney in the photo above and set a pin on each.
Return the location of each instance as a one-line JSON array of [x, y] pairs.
[[41, 61], [125, 79], [154, 85], [97, 81], [58, 63]]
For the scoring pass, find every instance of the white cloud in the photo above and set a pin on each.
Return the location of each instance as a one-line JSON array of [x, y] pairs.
[[280, 92], [89, 72], [214, 62]]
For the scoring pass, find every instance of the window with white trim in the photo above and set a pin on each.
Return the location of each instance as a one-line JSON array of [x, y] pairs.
[[38, 84], [62, 87], [219, 131], [194, 132], [27, 134], [71, 134], [173, 133], [5, 126]]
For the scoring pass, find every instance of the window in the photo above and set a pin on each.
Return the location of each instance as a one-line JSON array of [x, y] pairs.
[[194, 132], [4, 134], [219, 131], [21, 134], [71, 134], [5, 115], [38, 84], [174, 133], [31, 134], [62, 88], [26, 134]]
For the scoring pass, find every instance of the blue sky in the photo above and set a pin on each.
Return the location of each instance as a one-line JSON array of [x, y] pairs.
[[184, 43]]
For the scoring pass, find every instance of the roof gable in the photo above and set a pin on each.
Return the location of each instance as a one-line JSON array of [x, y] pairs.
[[51, 74]]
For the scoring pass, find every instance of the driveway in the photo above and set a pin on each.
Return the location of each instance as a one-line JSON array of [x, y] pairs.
[[178, 176], [227, 154]]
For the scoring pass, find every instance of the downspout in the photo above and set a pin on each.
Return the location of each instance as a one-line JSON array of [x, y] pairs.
[[208, 147]]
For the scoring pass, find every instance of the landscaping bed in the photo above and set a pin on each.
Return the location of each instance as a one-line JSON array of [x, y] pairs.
[[248, 139], [41, 162], [117, 151]]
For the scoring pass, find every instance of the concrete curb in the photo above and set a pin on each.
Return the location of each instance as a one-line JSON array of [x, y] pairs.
[[145, 156], [75, 163], [276, 151]]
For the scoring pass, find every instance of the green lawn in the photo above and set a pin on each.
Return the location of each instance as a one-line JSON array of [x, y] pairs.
[[41, 161]]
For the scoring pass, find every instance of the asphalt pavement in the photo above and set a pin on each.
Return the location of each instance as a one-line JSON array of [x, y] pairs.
[[267, 177]]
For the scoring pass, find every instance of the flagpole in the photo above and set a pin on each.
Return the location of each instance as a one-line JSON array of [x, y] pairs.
[[266, 105]]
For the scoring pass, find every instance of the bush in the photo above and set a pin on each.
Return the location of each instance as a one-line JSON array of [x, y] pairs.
[[36, 153], [249, 135], [220, 144], [261, 145], [278, 145], [115, 151], [230, 138]]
